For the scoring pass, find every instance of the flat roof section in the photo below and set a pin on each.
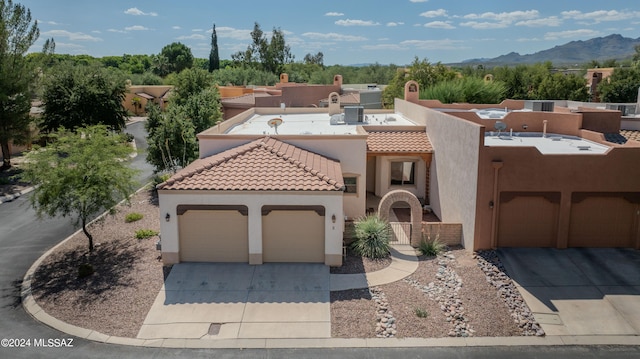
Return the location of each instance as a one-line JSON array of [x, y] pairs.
[[551, 144], [313, 124]]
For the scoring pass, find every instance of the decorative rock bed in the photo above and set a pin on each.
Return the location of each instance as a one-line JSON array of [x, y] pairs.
[[386, 323], [496, 275]]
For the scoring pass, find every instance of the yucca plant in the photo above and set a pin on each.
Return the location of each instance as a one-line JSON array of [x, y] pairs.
[[372, 237]]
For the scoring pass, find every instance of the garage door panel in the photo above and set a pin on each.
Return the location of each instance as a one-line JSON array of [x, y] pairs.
[[213, 236], [602, 222], [293, 236], [527, 221]]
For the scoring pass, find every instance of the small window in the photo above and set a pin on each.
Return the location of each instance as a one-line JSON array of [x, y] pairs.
[[403, 173], [350, 184]]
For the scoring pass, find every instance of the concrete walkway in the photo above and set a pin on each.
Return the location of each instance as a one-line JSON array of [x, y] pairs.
[[404, 262]]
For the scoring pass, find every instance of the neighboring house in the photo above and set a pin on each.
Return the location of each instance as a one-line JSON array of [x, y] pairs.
[[594, 77], [138, 96], [278, 184]]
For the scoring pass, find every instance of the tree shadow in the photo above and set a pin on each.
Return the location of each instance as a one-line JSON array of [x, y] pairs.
[[112, 264]]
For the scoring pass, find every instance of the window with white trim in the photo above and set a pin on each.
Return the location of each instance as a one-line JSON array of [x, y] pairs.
[[350, 184]]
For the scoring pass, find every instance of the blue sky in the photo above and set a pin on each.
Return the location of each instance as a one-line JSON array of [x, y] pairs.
[[347, 31]]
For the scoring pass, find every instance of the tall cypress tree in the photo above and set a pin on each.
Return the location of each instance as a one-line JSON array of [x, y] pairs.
[[214, 58]]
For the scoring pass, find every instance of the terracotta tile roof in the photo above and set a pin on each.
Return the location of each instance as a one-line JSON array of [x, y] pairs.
[[248, 99], [631, 134], [398, 142], [263, 164]]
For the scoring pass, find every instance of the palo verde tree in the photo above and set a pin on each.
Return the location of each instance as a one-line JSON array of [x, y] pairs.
[[78, 96], [214, 56], [80, 174], [17, 33]]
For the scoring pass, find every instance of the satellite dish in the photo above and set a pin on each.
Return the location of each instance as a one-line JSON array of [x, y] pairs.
[[500, 126], [275, 122]]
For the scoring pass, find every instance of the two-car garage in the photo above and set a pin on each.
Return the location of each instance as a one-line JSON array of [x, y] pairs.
[[594, 219], [220, 233]]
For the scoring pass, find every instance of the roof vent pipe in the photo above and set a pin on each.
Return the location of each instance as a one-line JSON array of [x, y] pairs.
[[544, 128]]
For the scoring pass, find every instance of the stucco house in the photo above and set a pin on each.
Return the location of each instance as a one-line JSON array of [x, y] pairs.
[[278, 184]]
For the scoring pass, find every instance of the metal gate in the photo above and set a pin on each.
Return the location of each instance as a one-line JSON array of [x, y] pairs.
[[400, 232]]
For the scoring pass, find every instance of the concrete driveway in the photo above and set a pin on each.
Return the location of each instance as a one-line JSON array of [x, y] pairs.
[[579, 291], [229, 300]]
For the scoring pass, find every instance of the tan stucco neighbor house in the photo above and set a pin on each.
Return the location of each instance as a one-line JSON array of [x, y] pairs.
[[278, 184]]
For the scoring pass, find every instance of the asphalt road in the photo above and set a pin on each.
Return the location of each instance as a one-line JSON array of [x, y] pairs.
[[24, 238]]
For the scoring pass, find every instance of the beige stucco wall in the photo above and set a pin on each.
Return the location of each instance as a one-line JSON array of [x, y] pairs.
[[454, 166], [254, 200]]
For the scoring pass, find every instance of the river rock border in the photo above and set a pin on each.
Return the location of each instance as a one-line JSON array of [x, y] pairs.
[[445, 291], [386, 322], [495, 272]]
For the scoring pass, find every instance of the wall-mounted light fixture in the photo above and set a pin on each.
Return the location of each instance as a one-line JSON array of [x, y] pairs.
[[524, 127], [333, 218], [167, 217], [491, 204]]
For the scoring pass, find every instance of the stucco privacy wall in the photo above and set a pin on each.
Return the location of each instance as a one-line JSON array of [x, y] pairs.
[[254, 200], [454, 168]]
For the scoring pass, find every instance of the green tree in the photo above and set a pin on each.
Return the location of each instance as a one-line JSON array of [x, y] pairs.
[[171, 138], [214, 56], [268, 55], [242, 76], [622, 86], [17, 34], [467, 89], [78, 96], [204, 109], [178, 57], [563, 87], [317, 59], [80, 174], [189, 82]]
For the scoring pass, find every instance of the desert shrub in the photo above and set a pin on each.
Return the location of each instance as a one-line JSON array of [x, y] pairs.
[[372, 237], [431, 247], [85, 270], [468, 89], [145, 233], [133, 216], [421, 313]]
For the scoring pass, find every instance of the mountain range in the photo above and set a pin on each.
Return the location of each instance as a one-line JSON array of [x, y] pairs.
[[614, 46]]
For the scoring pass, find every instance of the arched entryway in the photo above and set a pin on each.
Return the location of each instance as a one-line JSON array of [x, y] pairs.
[[401, 195]]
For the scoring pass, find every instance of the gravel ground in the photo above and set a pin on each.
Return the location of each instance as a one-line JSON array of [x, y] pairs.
[[128, 274], [115, 300]]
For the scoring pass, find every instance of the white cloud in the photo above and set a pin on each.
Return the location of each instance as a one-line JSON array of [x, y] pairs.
[[435, 13], [571, 34], [332, 36], [136, 28], [197, 30], [526, 39], [416, 1], [333, 13], [549, 21], [439, 25], [191, 37], [96, 32], [505, 16], [392, 24], [73, 36], [600, 15], [51, 23], [446, 44], [385, 47], [232, 33], [484, 25], [64, 45], [116, 30], [176, 27], [137, 12], [350, 22]]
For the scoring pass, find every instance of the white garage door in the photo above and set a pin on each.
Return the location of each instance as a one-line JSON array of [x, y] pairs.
[[213, 235], [295, 234]]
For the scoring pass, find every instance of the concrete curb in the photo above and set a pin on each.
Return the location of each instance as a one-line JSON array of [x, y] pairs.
[[11, 197], [33, 309]]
